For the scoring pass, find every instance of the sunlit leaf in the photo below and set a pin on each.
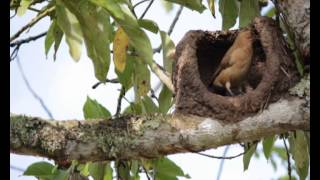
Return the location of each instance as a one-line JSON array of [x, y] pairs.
[[267, 145], [96, 29], [54, 35], [93, 110], [168, 51], [141, 78], [167, 169], [229, 12], [120, 46], [247, 156], [126, 77], [168, 6], [300, 154], [49, 37], [191, 4], [149, 25], [211, 7], [249, 9], [112, 7], [84, 169], [71, 28], [24, 4], [100, 170]]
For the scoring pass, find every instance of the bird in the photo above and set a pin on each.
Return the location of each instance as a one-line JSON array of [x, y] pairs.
[[234, 66]]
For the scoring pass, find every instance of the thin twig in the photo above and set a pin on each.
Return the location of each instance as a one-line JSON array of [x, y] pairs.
[[115, 81], [27, 40], [121, 95], [35, 95], [174, 22], [288, 158], [16, 168], [222, 162], [32, 22], [220, 157], [134, 6], [146, 172], [153, 95], [146, 10]]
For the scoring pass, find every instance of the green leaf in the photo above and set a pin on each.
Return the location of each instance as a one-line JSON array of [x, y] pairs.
[[84, 169], [134, 108], [247, 156], [149, 25], [112, 7], [137, 37], [93, 110], [229, 11], [126, 77], [168, 6], [141, 78], [300, 154], [191, 4], [120, 46], [149, 106], [168, 49], [211, 7], [281, 152], [60, 175], [54, 35], [167, 169], [39, 169], [267, 145], [249, 9], [71, 27], [271, 12], [165, 99], [24, 4], [95, 25], [100, 171]]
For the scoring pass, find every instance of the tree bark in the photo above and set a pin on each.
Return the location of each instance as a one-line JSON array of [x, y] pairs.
[[148, 136]]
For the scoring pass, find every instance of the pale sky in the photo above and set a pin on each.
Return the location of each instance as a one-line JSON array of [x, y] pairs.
[[64, 86]]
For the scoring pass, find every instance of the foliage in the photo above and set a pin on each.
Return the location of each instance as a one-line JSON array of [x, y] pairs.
[[101, 24]]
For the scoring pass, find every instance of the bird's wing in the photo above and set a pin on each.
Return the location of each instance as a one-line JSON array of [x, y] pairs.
[[225, 63]]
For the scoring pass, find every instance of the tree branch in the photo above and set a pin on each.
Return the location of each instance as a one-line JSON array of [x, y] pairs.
[[148, 136], [27, 40], [32, 22]]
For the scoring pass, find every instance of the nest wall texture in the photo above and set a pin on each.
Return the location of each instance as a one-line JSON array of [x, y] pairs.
[[199, 53]]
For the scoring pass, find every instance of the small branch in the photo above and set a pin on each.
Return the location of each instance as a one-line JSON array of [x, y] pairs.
[[288, 158], [162, 76], [16, 168], [174, 22], [32, 22], [35, 95], [222, 162], [221, 157], [115, 81], [121, 95], [134, 6], [146, 172], [146, 10], [27, 40]]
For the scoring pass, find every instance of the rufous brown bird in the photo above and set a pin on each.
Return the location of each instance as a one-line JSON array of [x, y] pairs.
[[234, 66]]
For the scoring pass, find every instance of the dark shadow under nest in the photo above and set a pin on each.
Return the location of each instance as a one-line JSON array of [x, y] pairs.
[[198, 54]]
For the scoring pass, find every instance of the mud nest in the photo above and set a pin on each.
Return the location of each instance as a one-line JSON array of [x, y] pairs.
[[199, 53]]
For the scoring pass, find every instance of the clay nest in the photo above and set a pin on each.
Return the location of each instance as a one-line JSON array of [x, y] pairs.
[[199, 53]]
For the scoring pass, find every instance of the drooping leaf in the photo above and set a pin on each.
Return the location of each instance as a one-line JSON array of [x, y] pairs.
[[168, 49], [39, 169], [167, 169], [191, 4], [267, 145], [300, 154], [93, 110], [133, 108], [54, 35], [149, 25], [120, 46], [168, 6], [211, 7], [95, 25], [229, 12], [165, 99], [149, 106], [281, 152], [249, 9], [71, 28], [124, 17], [24, 4], [100, 170], [247, 156], [141, 77], [126, 77], [84, 169]]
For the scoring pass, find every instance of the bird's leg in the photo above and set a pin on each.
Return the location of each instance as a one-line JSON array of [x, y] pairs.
[[228, 86]]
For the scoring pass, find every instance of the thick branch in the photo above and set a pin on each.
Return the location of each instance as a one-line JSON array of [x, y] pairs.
[[147, 136]]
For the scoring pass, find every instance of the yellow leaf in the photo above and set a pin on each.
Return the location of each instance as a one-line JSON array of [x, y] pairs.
[[120, 46]]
